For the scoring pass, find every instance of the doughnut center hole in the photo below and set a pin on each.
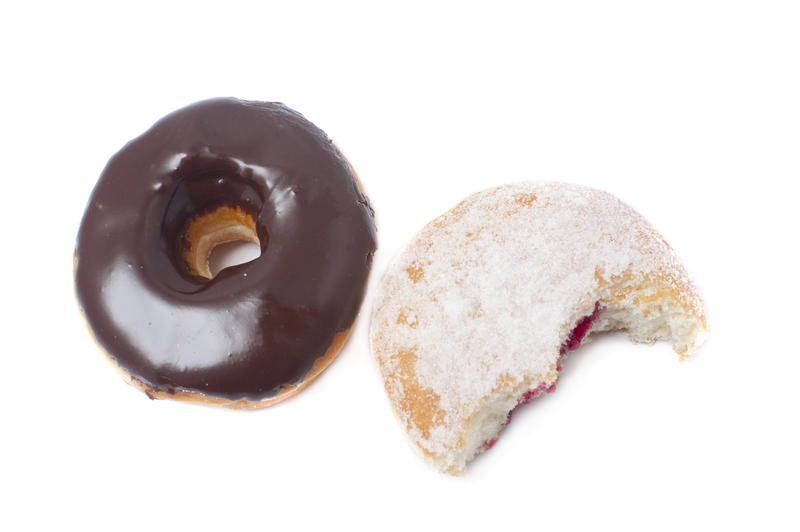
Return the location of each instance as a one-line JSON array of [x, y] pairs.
[[220, 239], [232, 254]]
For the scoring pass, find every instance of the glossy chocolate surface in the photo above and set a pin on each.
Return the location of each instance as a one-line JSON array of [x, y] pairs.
[[256, 327]]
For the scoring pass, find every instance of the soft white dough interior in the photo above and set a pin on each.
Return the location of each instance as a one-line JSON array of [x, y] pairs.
[[651, 319], [487, 425], [660, 320]]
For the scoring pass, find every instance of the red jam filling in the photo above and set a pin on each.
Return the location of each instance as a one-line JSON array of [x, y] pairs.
[[573, 342], [580, 330]]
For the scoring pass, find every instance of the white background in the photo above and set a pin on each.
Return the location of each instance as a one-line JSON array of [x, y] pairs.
[[689, 111]]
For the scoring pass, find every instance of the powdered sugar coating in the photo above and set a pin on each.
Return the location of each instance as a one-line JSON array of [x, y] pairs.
[[484, 296]]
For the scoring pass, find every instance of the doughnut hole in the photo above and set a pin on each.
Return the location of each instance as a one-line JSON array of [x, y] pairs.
[[208, 200], [232, 254], [223, 225]]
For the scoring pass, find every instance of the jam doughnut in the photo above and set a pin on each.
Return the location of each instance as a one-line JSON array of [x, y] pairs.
[[217, 171], [473, 317]]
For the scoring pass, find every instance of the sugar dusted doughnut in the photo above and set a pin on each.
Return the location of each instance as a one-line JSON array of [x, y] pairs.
[[218, 171], [473, 316]]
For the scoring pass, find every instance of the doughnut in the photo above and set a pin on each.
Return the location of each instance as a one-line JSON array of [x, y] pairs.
[[217, 171], [474, 316]]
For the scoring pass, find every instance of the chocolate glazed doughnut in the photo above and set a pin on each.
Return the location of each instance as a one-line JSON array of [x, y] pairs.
[[217, 171]]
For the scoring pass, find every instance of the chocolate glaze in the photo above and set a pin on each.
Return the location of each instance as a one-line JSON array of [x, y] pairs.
[[256, 327]]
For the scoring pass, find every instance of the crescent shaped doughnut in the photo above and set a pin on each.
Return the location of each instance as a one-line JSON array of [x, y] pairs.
[[473, 316]]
